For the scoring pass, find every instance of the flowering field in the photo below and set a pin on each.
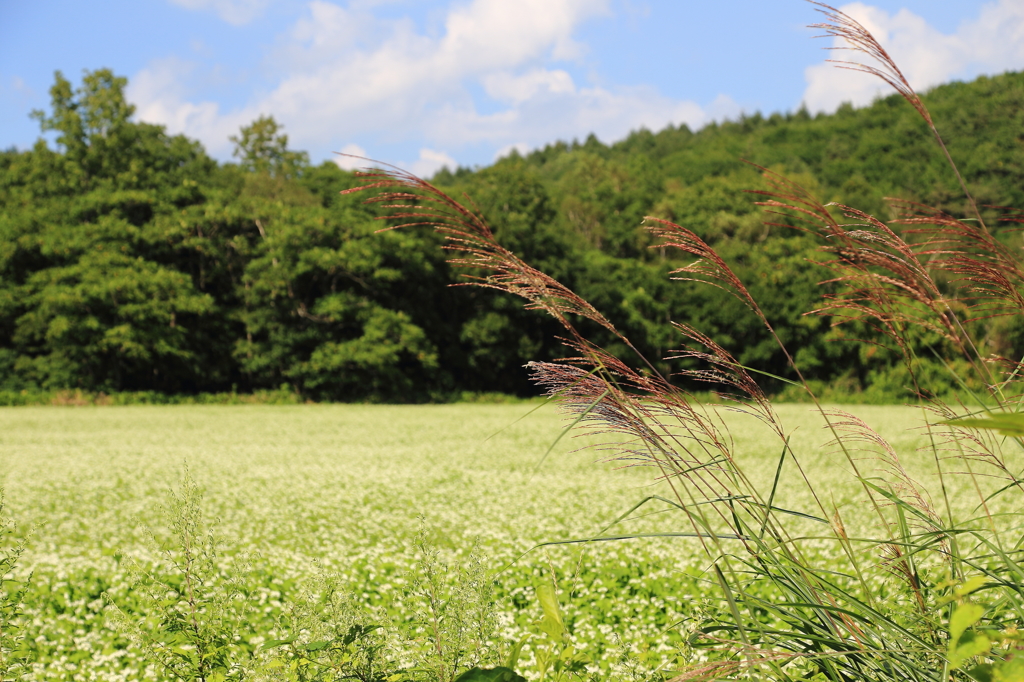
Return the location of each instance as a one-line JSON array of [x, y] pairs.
[[301, 489]]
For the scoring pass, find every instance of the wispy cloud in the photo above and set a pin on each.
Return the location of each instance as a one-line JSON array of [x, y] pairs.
[[20, 86], [992, 43], [235, 12]]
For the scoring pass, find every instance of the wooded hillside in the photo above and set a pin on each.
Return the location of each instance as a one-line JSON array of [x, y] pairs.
[[130, 260]]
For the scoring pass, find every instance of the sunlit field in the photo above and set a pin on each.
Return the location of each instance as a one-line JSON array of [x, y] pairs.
[[349, 487]]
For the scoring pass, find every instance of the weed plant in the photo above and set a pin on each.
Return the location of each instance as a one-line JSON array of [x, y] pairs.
[[923, 585], [193, 615], [330, 634], [13, 649], [449, 627], [458, 621]]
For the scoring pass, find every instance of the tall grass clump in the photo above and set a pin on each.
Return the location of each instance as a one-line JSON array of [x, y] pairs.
[[919, 578]]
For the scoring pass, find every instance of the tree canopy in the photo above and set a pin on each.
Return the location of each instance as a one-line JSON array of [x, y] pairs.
[[131, 260]]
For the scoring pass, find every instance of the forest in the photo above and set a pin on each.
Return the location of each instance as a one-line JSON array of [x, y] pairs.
[[130, 260]]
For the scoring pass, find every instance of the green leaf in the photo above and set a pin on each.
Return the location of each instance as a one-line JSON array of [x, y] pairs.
[[970, 585], [962, 643], [1005, 424], [317, 646], [273, 643], [517, 649], [183, 653], [1010, 671], [498, 674], [970, 644], [964, 617], [551, 624], [357, 631], [982, 673]]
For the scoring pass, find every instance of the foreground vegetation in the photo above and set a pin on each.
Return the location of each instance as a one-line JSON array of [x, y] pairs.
[[297, 492]]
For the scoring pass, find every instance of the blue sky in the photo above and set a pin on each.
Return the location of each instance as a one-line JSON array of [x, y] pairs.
[[423, 83]]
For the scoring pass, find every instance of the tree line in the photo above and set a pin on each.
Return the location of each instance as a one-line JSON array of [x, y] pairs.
[[130, 260]]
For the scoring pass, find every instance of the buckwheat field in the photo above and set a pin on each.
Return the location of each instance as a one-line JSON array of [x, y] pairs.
[[374, 496]]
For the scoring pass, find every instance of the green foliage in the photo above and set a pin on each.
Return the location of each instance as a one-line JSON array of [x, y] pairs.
[[261, 149], [320, 293], [1005, 424], [333, 635], [191, 617], [967, 642], [79, 398], [131, 261], [453, 608], [104, 317], [89, 300], [556, 657]]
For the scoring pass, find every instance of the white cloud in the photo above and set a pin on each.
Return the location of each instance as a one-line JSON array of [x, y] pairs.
[[997, 37], [345, 74], [430, 162], [551, 116], [348, 162], [992, 43], [160, 96], [235, 12], [721, 108], [507, 87]]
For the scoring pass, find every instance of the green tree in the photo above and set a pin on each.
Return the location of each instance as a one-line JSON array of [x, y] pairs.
[[107, 322], [93, 296], [261, 147], [326, 302]]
